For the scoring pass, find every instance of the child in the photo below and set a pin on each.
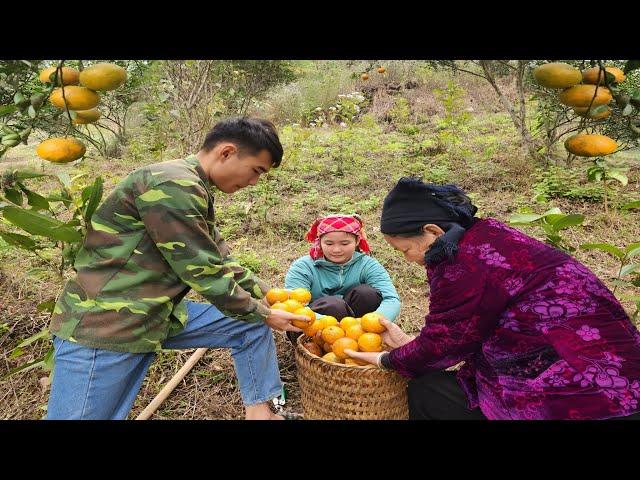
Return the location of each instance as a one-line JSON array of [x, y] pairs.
[[344, 280]]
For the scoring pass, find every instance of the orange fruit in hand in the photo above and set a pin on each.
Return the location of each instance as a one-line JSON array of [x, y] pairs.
[[331, 334], [342, 344], [371, 323], [276, 295], [331, 357], [329, 321], [279, 306], [327, 347], [355, 332], [302, 295], [315, 327], [370, 342], [307, 312], [347, 322], [292, 305]]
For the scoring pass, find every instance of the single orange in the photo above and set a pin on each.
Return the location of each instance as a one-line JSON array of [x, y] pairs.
[[329, 321], [331, 357], [302, 295], [371, 323], [331, 334], [355, 332], [342, 344], [370, 342], [315, 327], [307, 312], [276, 295], [292, 305], [279, 306], [347, 322]]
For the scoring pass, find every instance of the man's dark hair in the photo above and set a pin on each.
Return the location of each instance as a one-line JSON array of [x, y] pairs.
[[251, 135]]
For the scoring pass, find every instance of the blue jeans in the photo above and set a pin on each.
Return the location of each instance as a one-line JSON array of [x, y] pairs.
[[96, 384]]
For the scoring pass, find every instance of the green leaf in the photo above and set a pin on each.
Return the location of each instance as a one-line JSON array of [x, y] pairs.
[[619, 177], [631, 247], [599, 108], [18, 240], [7, 109], [605, 247], [627, 110], [553, 211], [631, 65], [571, 220], [22, 175], [94, 199], [629, 268], [633, 252], [36, 200], [64, 179], [524, 218], [41, 335], [47, 306], [16, 352], [38, 224], [13, 195], [56, 198], [24, 368], [31, 112], [629, 206], [49, 359]]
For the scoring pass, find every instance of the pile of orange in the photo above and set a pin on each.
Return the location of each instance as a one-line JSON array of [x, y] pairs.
[[326, 337], [587, 94]]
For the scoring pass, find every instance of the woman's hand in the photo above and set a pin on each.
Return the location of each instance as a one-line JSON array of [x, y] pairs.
[[393, 335], [369, 357], [280, 320]]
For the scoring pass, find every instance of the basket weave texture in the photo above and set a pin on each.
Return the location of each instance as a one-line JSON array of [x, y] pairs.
[[332, 391]]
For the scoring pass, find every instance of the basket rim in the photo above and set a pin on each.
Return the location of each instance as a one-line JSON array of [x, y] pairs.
[[315, 358]]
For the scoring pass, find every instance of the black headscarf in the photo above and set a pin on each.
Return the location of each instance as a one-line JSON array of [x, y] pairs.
[[413, 203]]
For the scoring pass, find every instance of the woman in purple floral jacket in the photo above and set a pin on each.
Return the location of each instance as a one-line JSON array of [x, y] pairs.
[[540, 335]]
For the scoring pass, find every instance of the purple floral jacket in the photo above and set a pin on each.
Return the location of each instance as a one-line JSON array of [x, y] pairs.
[[541, 336]]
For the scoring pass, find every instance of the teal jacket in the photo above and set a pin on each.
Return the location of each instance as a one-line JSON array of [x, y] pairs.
[[324, 278]]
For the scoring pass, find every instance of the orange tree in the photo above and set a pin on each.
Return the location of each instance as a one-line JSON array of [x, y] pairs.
[[594, 107], [59, 102]]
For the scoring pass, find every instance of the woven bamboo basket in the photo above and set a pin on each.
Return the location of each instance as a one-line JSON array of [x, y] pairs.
[[331, 391]]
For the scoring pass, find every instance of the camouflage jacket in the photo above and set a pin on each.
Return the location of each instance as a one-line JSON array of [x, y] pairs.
[[151, 241]]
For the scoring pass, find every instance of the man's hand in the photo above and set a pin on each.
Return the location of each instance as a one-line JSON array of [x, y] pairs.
[[393, 335], [280, 320]]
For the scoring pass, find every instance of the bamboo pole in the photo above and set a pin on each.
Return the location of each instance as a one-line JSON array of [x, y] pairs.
[[173, 383]]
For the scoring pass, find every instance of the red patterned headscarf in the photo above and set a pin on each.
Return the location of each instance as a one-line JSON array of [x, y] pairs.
[[336, 223]]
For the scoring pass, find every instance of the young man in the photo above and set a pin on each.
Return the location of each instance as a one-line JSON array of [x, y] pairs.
[[150, 242]]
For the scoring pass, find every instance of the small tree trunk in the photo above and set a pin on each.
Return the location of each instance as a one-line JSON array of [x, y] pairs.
[[518, 119]]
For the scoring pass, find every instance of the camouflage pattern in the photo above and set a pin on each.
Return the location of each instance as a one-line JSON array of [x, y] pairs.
[[150, 242]]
